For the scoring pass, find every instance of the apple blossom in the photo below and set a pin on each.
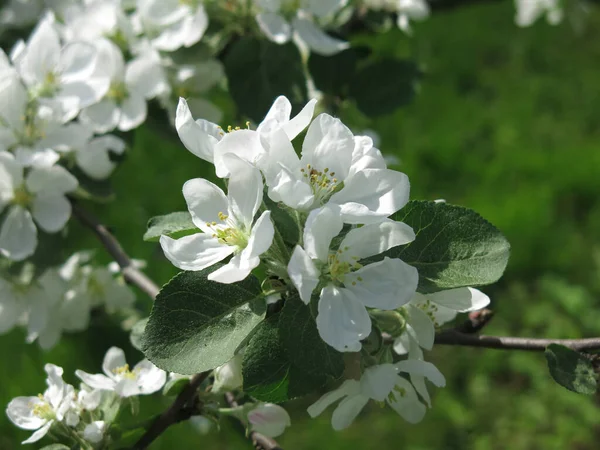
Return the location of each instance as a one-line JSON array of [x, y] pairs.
[[348, 288], [528, 11], [145, 378], [269, 419], [224, 234], [94, 432]]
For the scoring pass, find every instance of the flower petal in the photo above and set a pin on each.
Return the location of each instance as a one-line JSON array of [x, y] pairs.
[[198, 137], [316, 39], [39, 434], [328, 145], [461, 299], [342, 320], [303, 273], [11, 177], [50, 180], [378, 381], [20, 412], [235, 270], [114, 359], [51, 212], [322, 225], [408, 405], [422, 325], [205, 201], [375, 239], [274, 26], [347, 411], [290, 188], [244, 191], [133, 112], [261, 236], [423, 368], [348, 387], [244, 143], [18, 236], [41, 54], [149, 377], [102, 116], [195, 252], [386, 284], [96, 381]]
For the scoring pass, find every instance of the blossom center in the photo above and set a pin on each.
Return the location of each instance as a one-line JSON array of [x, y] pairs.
[[231, 129], [322, 183], [400, 391], [338, 268], [117, 92], [429, 308], [22, 197], [43, 410], [49, 86], [230, 235], [124, 372]]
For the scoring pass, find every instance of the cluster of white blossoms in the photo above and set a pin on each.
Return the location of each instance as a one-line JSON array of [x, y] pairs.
[[341, 194], [84, 414], [61, 299], [406, 10]]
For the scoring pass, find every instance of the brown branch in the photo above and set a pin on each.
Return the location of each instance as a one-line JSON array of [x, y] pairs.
[[181, 409], [453, 337], [260, 441], [112, 246]]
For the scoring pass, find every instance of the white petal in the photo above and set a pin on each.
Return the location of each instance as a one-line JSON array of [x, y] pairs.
[[274, 26], [322, 225], [133, 112], [11, 177], [279, 113], [20, 412], [290, 188], [386, 284], [461, 299], [75, 95], [51, 212], [374, 193], [144, 76], [10, 307], [96, 381], [244, 191], [343, 320], [102, 116], [347, 411], [41, 55], [150, 378], [328, 145], [322, 8], [94, 432], [127, 387], [261, 237], [39, 434], [195, 252], [244, 143], [195, 27], [378, 381], [50, 180], [94, 158], [299, 122], [235, 270], [408, 406], [114, 359], [199, 137], [269, 419], [424, 368], [316, 39], [18, 236], [13, 100], [205, 201], [348, 387], [303, 273], [77, 61], [280, 153], [37, 158], [422, 326], [375, 239]]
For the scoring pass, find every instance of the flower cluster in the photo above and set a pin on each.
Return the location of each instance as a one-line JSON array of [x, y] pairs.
[[85, 414], [61, 299]]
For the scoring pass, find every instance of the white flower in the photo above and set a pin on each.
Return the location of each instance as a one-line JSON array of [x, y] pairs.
[[14, 301], [63, 77], [411, 10], [20, 13], [528, 11], [131, 84], [40, 196], [145, 378], [94, 432], [349, 288], [427, 312], [172, 24], [229, 376], [380, 383], [272, 21], [335, 167], [227, 223], [39, 413], [209, 142], [86, 400], [269, 419]]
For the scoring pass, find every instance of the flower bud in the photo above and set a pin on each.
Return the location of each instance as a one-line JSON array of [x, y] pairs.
[[229, 375], [269, 419], [94, 432]]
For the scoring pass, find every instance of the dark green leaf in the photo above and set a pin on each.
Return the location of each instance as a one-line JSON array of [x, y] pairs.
[[269, 375], [258, 71], [299, 335], [333, 74], [175, 225], [391, 84], [197, 324], [283, 220], [570, 369], [454, 247]]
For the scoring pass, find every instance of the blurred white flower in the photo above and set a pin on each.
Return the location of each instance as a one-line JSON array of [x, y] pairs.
[[145, 378], [529, 11], [94, 432], [229, 376], [269, 419]]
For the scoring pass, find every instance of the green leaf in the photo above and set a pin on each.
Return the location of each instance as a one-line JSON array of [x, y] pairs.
[[455, 246], [283, 220], [570, 369], [333, 74], [175, 225], [392, 83], [197, 324], [258, 71], [269, 374], [300, 337]]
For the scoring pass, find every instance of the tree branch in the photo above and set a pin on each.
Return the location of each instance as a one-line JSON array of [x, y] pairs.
[[180, 410], [112, 246], [454, 337], [259, 440]]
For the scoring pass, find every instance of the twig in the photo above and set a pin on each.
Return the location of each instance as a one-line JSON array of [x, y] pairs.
[[259, 440], [110, 243], [180, 410], [453, 337]]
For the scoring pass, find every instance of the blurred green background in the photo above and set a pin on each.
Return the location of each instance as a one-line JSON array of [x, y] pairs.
[[506, 123]]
